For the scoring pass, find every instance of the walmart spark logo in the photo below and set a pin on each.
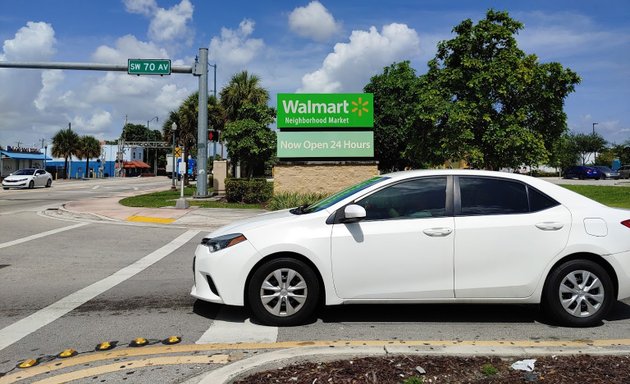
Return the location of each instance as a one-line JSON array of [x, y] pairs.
[[360, 106]]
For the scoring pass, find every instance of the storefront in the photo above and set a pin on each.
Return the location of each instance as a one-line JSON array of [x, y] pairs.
[[11, 161]]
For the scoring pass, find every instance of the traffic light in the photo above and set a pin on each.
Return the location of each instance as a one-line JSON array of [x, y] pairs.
[[213, 135]]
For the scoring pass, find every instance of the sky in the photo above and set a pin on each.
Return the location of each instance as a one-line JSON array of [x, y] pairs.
[[293, 46]]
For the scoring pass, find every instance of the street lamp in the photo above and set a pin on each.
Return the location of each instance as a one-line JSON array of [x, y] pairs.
[[173, 132]]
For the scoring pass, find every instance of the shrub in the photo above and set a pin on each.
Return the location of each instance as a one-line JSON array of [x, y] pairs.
[[249, 191], [291, 199]]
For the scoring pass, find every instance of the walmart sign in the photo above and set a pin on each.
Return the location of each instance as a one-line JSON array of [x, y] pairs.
[[320, 110]]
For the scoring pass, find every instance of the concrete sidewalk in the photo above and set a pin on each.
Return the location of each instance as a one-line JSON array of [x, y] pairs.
[[108, 209]]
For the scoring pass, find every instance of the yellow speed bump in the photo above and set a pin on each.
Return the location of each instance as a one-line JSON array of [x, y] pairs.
[[172, 340], [139, 342], [106, 346], [28, 363], [67, 353]]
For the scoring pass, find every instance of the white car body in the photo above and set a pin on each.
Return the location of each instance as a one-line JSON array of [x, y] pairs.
[[27, 178], [455, 258]]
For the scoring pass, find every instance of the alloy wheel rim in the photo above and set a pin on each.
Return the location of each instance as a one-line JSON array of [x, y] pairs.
[[581, 293], [283, 292]]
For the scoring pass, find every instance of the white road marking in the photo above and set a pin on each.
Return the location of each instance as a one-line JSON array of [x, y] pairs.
[[231, 327], [96, 187], [40, 235], [37, 320]]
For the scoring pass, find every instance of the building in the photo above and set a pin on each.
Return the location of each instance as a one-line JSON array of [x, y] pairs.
[[107, 165], [14, 158]]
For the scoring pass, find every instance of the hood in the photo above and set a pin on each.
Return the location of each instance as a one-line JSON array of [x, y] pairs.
[[17, 177], [264, 219]]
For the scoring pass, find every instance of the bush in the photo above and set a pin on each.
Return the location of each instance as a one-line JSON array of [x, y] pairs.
[[291, 199], [249, 191]]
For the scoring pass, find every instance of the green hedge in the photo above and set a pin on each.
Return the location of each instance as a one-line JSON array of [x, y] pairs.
[[249, 191]]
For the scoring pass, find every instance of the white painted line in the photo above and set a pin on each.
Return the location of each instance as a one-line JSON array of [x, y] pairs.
[[40, 235], [37, 320], [96, 187], [231, 327]]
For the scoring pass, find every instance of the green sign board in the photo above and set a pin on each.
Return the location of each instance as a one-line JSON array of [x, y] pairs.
[[325, 144], [149, 66], [325, 110]]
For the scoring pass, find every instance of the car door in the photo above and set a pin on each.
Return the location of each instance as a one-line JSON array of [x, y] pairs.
[[40, 178], [403, 249], [506, 234]]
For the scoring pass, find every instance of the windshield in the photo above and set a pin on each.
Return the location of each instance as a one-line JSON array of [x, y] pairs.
[[605, 169], [27, 171], [337, 197]]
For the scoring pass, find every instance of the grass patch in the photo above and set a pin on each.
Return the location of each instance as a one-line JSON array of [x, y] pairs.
[[169, 197], [618, 197]]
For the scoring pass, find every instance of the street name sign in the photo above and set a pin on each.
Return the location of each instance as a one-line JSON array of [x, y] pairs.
[[149, 66]]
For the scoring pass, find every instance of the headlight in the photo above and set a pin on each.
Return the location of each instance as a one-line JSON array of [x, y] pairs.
[[222, 242]]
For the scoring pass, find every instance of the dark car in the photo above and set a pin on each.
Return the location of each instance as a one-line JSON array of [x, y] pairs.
[[607, 173], [582, 172], [624, 172]]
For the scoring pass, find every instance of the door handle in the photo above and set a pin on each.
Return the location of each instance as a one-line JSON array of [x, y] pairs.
[[437, 232], [549, 226]]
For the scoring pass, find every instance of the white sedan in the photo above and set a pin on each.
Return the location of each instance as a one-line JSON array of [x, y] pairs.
[[27, 178], [432, 236]]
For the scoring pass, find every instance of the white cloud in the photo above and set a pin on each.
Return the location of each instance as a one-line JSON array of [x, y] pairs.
[[143, 7], [96, 123], [128, 47], [172, 24], [350, 66], [313, 21], [33, 42], [233, 49]]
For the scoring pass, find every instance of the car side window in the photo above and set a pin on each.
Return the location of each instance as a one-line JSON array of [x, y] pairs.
[[487, 196], [414, 199], [538, 201]]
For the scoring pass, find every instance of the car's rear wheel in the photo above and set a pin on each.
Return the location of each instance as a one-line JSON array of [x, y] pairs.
[[48, 183], [579, 293], [31, 185], [283, 292]]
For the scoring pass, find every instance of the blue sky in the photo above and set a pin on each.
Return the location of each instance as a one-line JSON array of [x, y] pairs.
[[294, 46]]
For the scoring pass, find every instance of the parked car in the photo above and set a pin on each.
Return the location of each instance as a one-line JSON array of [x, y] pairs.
[[624, 172], [432, 236], [27, 178], [607, 173], [582, 172]]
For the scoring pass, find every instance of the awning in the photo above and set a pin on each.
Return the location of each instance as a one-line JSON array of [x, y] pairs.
[[135, 164], [24, 155]]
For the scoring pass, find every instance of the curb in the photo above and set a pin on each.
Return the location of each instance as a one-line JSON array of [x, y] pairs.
[[281, 358]]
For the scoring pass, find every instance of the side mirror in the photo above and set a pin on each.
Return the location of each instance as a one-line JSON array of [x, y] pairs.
[[353, 213]]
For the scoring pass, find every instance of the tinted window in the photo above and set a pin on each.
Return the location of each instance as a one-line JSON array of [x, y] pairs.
[[485, 196], [538, 201], [414, 199]]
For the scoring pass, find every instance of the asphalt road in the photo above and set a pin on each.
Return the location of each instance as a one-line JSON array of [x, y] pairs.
[[72, 284]]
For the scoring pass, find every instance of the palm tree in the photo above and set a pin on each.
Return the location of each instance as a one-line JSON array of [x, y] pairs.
[[89, 147], [65, 144], [242, 89]]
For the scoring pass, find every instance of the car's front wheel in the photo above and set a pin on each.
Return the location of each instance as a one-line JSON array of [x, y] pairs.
[[579, 293], [31, 185], [283, 292]]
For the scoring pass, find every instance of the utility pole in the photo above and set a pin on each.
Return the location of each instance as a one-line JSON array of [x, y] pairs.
[[594, 124], [201, 70]]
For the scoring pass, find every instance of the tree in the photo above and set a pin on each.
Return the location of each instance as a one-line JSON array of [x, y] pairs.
[[485, 101], [247, 132], [250, 140], [242, 89], [89, 147], [396, 94], [139, 132], [65, 144], [584, 145]]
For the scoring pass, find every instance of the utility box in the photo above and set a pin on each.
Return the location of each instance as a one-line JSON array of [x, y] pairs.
[[219, 174]]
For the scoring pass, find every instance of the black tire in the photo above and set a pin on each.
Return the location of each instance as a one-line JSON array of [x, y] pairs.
[[284, 303], [590, 305], [31, 185], [48, 183], [5, 188]]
